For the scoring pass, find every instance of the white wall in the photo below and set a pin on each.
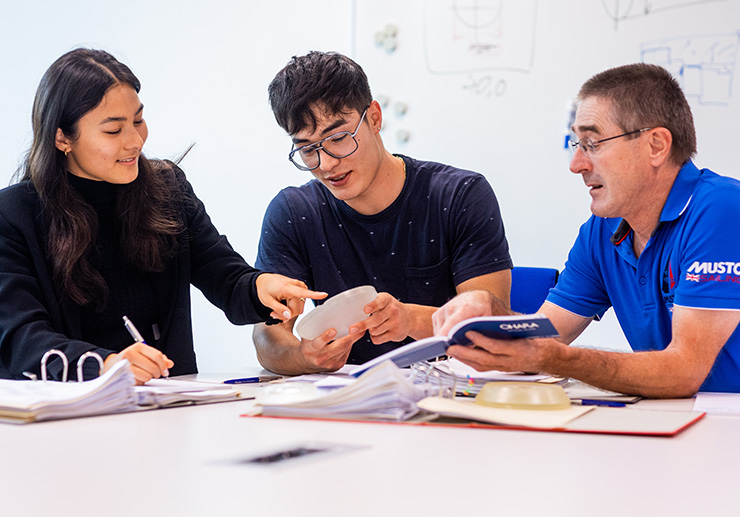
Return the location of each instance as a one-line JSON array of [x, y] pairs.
[[500, 110]]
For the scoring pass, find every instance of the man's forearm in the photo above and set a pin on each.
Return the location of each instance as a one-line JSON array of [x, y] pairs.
[[659, 374], [277, 349]]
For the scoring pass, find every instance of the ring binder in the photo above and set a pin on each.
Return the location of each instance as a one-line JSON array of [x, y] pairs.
[[421, 371], [45, 358], [80, 363], [23, 401], [113, 391]]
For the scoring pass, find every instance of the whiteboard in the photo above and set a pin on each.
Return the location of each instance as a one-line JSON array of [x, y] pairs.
[[486, 85], [489, 84]]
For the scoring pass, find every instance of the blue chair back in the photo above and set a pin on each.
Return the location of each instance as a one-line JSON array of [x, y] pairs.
[[529, 287]]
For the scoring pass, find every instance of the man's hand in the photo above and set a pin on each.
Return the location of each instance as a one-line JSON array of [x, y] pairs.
[[321, 354], [516, 355], [470, 304], [391, 320]]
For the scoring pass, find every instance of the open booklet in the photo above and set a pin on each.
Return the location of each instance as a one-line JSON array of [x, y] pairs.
[[497, 327]]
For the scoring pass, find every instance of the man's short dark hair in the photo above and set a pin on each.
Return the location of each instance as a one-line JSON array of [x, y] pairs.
[[644, 95], [325, 80]]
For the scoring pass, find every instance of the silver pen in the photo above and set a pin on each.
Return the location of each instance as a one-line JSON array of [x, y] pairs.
[[135, 334], [133, 330]]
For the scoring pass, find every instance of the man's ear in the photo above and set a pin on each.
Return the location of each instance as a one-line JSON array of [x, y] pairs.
[[660, 141], [62, 142], [375, 116]]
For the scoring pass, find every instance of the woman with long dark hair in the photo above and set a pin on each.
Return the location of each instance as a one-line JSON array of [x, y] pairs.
[[94, 231]]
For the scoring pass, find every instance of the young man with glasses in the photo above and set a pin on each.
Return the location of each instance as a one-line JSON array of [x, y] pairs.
[[662, 248], [419, 232]]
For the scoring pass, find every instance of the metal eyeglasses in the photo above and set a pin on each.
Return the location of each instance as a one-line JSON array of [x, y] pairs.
[[589, 147], [339, 145]]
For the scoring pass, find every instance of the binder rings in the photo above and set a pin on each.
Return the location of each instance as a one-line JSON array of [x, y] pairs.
[[34, 400], [114, 391]]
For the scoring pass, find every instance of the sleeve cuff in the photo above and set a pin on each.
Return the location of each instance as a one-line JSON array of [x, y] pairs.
[[262, 310]]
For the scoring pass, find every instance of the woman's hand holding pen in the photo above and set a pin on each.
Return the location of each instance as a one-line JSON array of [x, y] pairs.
[[285, 296], [146, 362]]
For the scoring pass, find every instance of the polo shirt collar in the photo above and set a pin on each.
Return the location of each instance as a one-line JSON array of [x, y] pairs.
[[681, 192], [678, 200]]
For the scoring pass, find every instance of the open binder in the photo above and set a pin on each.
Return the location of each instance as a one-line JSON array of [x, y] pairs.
[[114, 391], [34, 400]]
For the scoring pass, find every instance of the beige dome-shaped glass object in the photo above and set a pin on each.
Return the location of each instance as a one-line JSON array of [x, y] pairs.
[[522, 395]]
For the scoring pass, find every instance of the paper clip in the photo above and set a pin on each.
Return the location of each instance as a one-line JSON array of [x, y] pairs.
[[80, 364]]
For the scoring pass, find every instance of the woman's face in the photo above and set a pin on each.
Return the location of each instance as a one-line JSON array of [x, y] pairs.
[[109, 139]]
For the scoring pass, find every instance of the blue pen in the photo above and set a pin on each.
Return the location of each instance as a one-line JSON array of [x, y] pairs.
[[606, 403], [252, 380], [245, 380]]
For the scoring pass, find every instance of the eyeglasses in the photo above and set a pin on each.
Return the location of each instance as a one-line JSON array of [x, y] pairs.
[[339, 145], [590, 147]]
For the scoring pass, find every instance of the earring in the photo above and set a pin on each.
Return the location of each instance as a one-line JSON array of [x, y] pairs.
[[65, 154]]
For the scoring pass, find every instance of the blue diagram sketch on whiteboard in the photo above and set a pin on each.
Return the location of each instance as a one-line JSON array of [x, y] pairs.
[[463, 36], [622, 10], [704, 65]]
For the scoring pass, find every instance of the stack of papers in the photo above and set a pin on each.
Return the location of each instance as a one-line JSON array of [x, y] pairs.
[[465, 380], [31, 401], [169, 392], [381, 393]]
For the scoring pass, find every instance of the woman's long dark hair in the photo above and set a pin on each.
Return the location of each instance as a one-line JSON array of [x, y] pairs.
[[75, 84]]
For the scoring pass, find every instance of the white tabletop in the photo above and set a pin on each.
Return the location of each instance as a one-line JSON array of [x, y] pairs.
[[188, 461]]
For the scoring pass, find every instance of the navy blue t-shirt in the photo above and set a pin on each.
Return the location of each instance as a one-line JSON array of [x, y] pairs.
[[443, 229]]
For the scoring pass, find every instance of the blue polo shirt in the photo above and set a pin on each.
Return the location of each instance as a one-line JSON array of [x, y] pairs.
[[691, 260]]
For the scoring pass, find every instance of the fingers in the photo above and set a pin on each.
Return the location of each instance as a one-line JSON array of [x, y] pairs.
[[146, 362], [285, 296], [294, 297], [358, 329], [469, 304], [296, 306], [318, 343], [479, 359], [378, 303], [323, 354], [300, 291], [382, 328], [447, 317], [388, 321], [517, 355]]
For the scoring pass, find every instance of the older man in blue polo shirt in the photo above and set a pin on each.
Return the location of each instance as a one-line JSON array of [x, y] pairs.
[[662, 248]]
